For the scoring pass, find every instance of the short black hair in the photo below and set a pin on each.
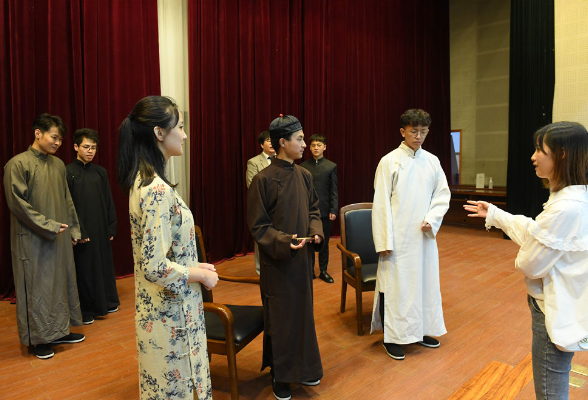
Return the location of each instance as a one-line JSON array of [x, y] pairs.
[[88, 133], [45, 121], [263, 136], [276, 142], [317, 137], [415, 117]]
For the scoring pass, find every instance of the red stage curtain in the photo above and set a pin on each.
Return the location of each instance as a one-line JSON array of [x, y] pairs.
[[87, 61], [346, 68]]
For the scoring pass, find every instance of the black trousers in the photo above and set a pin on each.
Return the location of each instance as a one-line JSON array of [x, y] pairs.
[[324, 253]]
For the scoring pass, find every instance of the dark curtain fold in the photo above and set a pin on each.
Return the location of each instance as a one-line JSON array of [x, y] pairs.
[[86, 61], [346, 68], [532, 82]]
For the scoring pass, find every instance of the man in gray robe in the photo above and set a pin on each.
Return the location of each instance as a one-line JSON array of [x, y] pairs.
[[43, 227]]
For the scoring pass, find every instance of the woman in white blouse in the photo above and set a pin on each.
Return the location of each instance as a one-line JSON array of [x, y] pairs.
[[553, 254]]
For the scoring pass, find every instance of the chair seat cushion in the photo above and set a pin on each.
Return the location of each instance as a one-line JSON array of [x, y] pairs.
[[369, 272], [248, 320]]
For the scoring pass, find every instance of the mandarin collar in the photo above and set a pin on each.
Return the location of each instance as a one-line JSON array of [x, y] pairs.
[[283, 163], [38, 154], [81, 163], [410, 151]]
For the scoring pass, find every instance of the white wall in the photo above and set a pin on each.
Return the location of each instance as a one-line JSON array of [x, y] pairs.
[[570, 102], [173, 64]]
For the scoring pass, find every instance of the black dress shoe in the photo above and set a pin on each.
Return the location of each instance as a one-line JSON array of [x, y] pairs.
[[324, 275]]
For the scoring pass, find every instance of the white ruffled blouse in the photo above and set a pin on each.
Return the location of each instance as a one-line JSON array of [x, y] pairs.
[[554, 259]]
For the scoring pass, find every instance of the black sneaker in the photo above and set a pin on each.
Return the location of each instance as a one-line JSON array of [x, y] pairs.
[[429, 342], [324, 275], [312, 382], [394, 350], [71, 338], [281, 390], [43, 351], [87, 319], [115, 309]]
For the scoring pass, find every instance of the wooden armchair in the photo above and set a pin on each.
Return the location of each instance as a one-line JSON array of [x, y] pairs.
[[229, 328], [359, 259]]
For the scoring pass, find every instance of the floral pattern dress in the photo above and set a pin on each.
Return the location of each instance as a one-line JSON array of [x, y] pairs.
[[169, 317]]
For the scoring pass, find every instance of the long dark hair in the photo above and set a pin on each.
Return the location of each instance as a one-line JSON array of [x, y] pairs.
[[568, 142], [137, 146]]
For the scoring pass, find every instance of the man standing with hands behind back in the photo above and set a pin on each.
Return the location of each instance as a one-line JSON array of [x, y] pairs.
[[324, 176]]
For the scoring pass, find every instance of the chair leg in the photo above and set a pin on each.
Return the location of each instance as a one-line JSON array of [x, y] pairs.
[[359, 306], [343, 294], [232, 361]]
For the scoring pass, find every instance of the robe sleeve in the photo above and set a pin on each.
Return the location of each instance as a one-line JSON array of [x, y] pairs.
[[271, 241], [16, 190], [110, 210], [334, 197], [439, 202], [382, 223], [73, 223], [70, 171], [157, 204]]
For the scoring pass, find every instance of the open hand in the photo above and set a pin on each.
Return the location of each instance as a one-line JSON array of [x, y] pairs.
[[479, 208]]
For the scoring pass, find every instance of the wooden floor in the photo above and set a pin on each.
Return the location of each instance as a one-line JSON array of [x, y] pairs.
[[485, 353]]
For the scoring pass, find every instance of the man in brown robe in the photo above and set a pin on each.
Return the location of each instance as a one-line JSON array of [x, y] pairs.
[[283, 216], [43, 226]]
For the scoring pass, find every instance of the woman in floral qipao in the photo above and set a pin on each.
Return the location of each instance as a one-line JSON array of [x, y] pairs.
[[169, 318]]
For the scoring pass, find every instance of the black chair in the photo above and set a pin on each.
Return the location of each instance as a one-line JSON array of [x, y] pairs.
[[359, 259], [229, 328]]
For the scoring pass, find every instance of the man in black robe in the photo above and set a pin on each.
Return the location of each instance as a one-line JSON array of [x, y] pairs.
[[283, 216], [90, 191]]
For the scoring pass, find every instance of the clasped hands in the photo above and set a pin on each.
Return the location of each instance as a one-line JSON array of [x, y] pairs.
[[62, 229]]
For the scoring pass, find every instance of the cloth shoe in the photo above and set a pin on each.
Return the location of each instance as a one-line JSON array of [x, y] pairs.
[[394, 350], [324, 275], [281, 390], [429, 342], [87, 319], [115, 309], [312, 382], [43, 351], [71, 338]]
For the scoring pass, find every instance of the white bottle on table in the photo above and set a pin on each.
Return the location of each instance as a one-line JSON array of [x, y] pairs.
[[490, 183]]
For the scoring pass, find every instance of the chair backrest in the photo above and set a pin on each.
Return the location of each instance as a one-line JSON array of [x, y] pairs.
[[206, 294], [356, 232]]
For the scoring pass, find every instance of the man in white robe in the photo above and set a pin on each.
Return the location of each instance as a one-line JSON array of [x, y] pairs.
[[411, 197]]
